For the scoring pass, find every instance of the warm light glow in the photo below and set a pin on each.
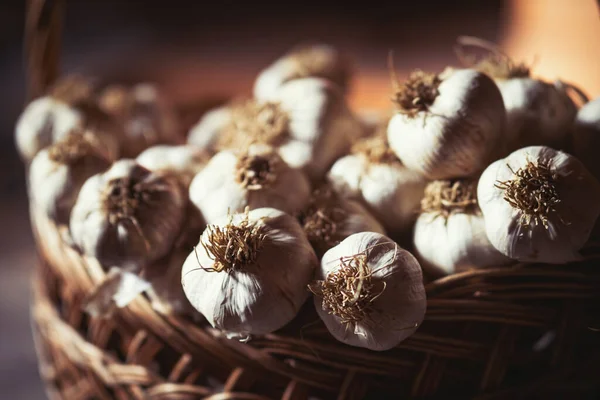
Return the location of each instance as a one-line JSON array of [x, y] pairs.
[[564, 35]]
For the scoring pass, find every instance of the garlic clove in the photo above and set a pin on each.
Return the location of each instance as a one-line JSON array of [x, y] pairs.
[[145, 117], [256, 285], [539, 204], [309, 61], [447, 128], [449, 234], [58, 172], [255, 178], [586, 136], [328, 219], [127, 216], [387, 282], [206, 132], [185, 161]]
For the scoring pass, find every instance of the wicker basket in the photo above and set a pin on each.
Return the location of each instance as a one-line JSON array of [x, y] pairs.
[[519, 332]]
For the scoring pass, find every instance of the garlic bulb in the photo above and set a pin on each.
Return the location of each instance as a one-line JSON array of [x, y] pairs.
[[205, 134], [145, 117], [447, 127], [586, 136], [449, 235], [128, 216], [308, 122], [185, 161], [539, 204], [68, 107], [369, 292], [249, 272], [58, 172], [374, 176], [320, 61], [255, 178], [537, 112], [328, 219]]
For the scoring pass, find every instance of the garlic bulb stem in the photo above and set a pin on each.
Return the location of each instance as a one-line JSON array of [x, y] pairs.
[[533, 191]]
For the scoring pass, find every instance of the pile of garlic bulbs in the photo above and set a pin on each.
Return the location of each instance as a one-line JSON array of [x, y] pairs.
[[272, 199]]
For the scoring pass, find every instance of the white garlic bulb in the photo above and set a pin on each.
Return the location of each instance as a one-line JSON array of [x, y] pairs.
[[58, 172], [205, 134], [44, 121], [145, 116], [537, 112], [447, 127], [449, 235], [185, 161], [127, 216], [320, 61], [308, 122], [69, 107], [255, 178], [328, 219], [374, 176], [369, 292], [586, 136], [539, 204], [248, 274]]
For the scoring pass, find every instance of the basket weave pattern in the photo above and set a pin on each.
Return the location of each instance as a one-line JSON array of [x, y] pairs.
[[477, 339]]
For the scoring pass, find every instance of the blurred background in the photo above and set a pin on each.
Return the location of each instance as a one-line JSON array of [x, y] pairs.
[[213, 50]]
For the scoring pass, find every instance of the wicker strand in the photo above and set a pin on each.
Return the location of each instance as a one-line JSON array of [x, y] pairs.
[[43, 31]]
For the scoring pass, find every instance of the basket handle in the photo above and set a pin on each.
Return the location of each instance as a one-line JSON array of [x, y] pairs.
[[43, 30]]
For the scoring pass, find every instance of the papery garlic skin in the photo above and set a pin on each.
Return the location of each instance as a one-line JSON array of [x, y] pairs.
[[568, 228], [205, 133], [400, 308], [459, 133], [328, 64], [586, 136], [184, 160], [44, 121], [537, 113], [391, 192], [146, 118], [448, 245], [216, 190], [54, 184], [128, 216], [256, 298]]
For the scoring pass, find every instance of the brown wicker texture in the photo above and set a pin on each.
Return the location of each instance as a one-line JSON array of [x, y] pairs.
[[477, 340]]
